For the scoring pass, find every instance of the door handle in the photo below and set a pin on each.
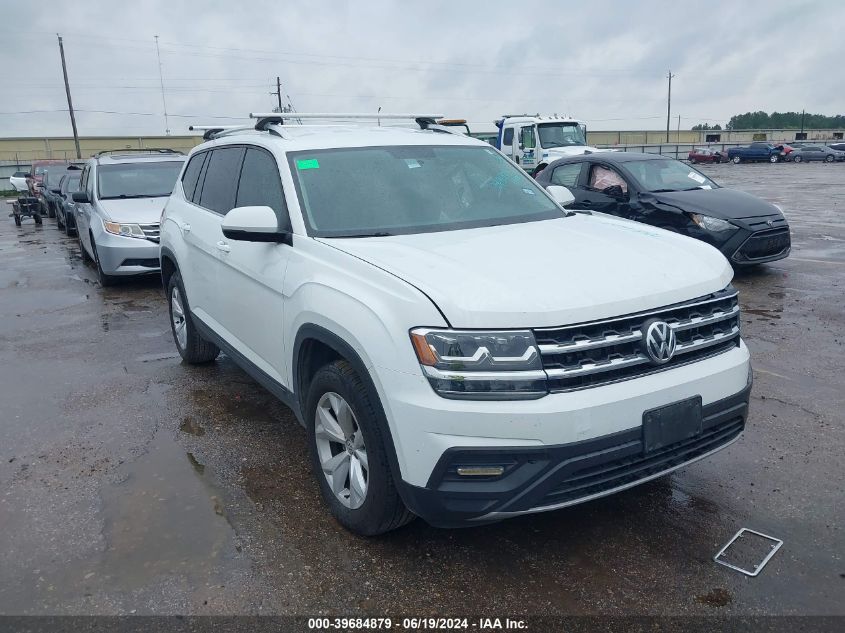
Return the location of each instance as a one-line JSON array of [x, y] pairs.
[[223, 246], [586, 203]]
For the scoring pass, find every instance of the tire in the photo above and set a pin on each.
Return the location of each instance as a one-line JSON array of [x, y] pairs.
[[774, 158], [193, 348], [51, 210], [797, 159], [828, 159], [17, 219], [85, 256], [37, 218], [104, 279], [60, 224], [69, 230], [736, 160], [358, 437], [693, 161]]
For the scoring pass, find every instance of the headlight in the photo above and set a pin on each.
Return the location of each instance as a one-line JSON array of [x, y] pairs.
[[481, 365], [126, 230], [709, 223]]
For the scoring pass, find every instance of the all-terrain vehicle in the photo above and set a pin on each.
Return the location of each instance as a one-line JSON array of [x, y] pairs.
[[26, 207]]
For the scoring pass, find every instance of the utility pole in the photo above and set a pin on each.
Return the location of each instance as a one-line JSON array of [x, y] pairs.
[[278, 93], [669, 105], [161, 81], [679, 128], [69, 101], [802, 122]]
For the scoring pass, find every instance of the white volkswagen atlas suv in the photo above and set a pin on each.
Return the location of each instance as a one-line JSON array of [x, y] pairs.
[[456, 344]]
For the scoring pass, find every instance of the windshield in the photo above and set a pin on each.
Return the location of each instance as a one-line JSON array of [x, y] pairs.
[[561, 134], [374, 191], [667, 175], [137, 180]]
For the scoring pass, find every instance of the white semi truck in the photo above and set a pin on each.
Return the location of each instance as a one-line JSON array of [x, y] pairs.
[[533, 142]]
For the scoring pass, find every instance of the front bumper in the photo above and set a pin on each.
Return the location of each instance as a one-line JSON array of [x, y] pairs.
[[123, 256], [554, 477], [535, 439], [760, 247]]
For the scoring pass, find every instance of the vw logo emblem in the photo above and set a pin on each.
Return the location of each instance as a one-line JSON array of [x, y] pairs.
[[659, 342], [770, 222]]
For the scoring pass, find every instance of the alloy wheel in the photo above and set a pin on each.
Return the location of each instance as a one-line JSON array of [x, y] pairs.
[[341, 450], [177, 316]]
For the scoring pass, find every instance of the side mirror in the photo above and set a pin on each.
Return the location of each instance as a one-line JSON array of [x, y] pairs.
[[254, 224], [56, 190], [561, 194], [81, 196]]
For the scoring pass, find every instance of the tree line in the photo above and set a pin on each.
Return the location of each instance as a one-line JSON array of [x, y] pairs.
[[778, 120]]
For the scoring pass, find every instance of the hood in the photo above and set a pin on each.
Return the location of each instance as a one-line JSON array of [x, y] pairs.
[[134, 210], [548, 273], [722, 203]]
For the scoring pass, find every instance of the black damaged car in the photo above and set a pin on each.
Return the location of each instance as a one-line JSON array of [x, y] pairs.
[[669, 194]]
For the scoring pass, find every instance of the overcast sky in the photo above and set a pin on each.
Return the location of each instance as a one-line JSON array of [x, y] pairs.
[[601, 61]]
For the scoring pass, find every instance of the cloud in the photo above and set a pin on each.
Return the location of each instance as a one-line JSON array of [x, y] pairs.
[[603, 61]]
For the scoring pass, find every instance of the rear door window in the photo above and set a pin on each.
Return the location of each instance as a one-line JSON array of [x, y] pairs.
[[220, 185], [567, 175]]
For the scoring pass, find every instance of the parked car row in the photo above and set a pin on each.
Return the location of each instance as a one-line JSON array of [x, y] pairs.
[[769, 152]]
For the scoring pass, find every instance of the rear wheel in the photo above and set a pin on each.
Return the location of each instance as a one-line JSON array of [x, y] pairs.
[[37, 218], [60, 223], [797, 159], [348, 453], [17, 219], [828, 159], [192, 347]]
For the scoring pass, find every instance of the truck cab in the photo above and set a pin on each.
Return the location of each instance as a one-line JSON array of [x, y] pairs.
[[532, 142]]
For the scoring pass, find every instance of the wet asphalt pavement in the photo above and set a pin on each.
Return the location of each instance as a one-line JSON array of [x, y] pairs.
[[131, 483]]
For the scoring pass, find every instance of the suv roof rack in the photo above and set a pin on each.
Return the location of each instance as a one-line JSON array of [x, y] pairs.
[[139, 150], [212, 131], [278, 118]]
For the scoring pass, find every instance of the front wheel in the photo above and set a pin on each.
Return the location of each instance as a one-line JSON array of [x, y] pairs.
[[192, 347], [797, 159], [348, 454], [737, 160], [828, 159], [17, 219], [102, 277], [37, 218], [774, 158]]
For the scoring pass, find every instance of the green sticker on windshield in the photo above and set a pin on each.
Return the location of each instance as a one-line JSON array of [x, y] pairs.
[[311, 163]]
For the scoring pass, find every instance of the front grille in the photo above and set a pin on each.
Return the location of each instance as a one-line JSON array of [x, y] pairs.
[[592, 354], [764, 244], [581, 482], [151, 231]]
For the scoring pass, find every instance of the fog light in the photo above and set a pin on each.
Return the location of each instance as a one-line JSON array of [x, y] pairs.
[[480, 471]]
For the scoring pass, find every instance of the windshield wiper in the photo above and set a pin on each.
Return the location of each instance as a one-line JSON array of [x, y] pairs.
[[663, 190], [377, 234], [128, 196]]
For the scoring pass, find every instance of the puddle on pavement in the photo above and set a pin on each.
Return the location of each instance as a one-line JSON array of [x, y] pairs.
[[766, 314], [191, 426], [165, 518]]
